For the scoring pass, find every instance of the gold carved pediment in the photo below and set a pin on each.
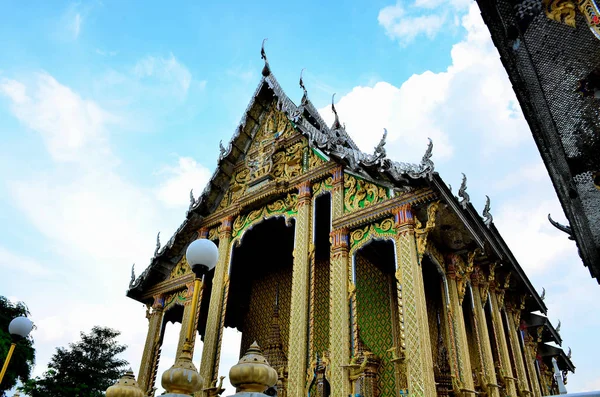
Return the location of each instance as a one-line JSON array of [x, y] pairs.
[[182, 268]]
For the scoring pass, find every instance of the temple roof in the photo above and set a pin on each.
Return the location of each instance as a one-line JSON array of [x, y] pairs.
[[552, 56], [549, 333], [335, 143]]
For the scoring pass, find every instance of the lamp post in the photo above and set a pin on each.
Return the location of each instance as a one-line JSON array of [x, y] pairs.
[[19, 328], [183, 378]]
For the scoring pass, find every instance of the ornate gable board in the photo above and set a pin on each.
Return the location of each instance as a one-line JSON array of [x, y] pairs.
[[268, 93]]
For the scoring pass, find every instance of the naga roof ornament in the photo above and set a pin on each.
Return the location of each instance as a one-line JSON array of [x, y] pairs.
[[562, 228], [336, 123], [263, 55], [569, 353], [301, 82], [462, 192], [543, 295], [132, 276], [157, 244], [558, 326], [192, 199], [488, 218]]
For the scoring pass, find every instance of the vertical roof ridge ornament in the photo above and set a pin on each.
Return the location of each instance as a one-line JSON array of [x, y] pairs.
[[462, 192], [486, 212], [336, 123], [263, 55]]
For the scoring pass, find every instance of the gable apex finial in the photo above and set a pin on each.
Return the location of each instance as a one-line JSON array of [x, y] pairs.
[[263, 55]]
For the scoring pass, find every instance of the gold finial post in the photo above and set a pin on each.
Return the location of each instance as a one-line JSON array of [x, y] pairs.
[[252, 374], [125, 387]]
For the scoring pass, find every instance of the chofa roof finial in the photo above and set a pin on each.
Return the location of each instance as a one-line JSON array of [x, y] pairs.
[[336, 123], [543, 295], [263, 55], [488, 218], [558, 326]]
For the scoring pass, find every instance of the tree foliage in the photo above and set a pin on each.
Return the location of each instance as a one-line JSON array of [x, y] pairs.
[[86, 368], [23, 358]]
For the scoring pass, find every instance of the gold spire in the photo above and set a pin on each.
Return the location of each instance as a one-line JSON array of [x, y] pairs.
[[125, 387], [182, 377], [252, 373]]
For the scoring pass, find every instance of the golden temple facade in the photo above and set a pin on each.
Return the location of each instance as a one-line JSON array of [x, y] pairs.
[[358, 275]]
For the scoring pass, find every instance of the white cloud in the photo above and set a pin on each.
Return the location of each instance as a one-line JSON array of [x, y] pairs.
[[166, 70], [68, 123], [424, 17], [406, 28], [471, 102], [94, 220], [188, 174]]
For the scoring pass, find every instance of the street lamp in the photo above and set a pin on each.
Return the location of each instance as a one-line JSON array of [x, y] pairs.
[[19, 328], [182, 377]]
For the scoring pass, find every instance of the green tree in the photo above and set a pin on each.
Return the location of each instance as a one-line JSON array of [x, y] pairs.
[[24, 355], [86, 368]]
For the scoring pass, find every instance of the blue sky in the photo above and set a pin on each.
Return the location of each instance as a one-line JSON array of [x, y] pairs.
[[112, 111]]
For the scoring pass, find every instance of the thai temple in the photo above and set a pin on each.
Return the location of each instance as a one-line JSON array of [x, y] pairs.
[[356, 274], [551, 52]]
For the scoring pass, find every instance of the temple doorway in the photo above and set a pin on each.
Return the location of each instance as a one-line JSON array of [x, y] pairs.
[[260, 285]]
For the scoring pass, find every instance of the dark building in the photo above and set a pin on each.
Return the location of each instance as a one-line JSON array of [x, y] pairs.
[[551, 52]]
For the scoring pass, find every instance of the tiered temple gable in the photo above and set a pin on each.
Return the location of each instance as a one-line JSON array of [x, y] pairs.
[[385, 283]]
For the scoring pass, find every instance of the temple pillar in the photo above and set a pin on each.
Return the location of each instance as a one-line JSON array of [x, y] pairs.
[[488, 376], [417, 364], [339, 333], [151, 354], [209, 366], [298, 336], [530, 347], [513, 319], [457, 278], [339, 316], [187, 317], [497, 302]]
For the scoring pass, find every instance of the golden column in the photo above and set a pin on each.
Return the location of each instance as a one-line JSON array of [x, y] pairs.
[[298, 338], [339, 316], [497, 303], [339, 332], [513, 320], [414, 328], [458, 274], [150, 356], [187, 317], [209, 366], [530, 356], [480, 294]]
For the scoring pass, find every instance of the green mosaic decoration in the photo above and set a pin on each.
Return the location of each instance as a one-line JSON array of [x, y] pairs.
[[257, 324], [321, 313], [287, 207], [359, 193], [361, 236], [177, 298], [375, 319]]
